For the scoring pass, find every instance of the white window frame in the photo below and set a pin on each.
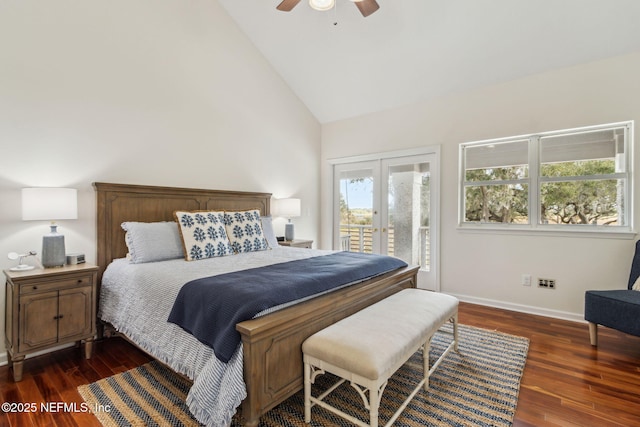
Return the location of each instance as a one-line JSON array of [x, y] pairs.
[[534, 182]]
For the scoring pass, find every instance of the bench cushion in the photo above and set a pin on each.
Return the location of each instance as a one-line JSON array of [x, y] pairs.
[[402, 323]]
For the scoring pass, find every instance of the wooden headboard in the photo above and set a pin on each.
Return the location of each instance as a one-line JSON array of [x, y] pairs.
[[117, 203]]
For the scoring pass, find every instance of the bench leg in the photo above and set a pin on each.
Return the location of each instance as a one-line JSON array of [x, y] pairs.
[[307, 393], [454, 319], [425, 361], [374, 404]]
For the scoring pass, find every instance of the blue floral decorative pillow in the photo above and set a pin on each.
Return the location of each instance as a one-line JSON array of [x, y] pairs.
[[203, 234], [245, 233]]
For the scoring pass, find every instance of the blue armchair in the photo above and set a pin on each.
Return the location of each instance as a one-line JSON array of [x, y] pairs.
[[617, 309]]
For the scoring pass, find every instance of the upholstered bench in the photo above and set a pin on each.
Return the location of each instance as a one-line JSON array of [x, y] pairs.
[[367, 347]]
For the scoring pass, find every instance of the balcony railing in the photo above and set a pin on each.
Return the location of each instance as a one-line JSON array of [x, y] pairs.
[[359, 238]]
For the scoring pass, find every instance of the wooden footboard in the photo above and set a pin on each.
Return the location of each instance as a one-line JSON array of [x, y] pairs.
[[272, 345]]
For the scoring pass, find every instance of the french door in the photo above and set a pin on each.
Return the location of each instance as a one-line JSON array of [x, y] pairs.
[[389, 206]]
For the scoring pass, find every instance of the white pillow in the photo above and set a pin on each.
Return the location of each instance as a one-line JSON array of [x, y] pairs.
[[203, 234], [152, 241], [267, 229], [636, 285], [244, 229]]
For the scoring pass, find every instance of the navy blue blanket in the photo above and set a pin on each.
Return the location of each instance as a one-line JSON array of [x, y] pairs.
[[209, 308]]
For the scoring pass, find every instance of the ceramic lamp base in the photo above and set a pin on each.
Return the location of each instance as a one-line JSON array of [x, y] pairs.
[[53, 252], [288, 231]]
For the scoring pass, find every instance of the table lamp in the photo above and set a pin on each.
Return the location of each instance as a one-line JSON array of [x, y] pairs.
[[50, 204], [288, 208]]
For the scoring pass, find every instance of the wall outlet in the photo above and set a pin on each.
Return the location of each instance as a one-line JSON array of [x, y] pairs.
[[547, 283], [525, 280]]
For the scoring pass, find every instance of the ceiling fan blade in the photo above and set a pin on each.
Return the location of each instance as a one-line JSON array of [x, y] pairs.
[[367, 7], [287, 5]]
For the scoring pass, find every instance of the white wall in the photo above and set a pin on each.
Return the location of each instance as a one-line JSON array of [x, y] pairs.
[[485, 267], [156, 92]]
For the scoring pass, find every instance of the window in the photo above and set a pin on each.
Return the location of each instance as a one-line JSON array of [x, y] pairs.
[[578, 179]]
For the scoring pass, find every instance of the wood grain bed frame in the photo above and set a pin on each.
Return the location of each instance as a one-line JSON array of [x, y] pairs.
[[273, 369]]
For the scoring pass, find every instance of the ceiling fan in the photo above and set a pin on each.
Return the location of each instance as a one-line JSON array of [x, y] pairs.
[[366, 7]]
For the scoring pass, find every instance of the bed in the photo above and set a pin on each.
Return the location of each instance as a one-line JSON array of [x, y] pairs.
[[271, 355]]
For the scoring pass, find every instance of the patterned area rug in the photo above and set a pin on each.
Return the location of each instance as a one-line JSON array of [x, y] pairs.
[[477, 386]]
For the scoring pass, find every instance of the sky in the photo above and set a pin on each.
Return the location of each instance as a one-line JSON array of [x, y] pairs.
[[360, 193]]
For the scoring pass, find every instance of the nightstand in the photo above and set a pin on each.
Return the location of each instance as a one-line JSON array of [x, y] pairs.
[[45, 308], [297, 243]]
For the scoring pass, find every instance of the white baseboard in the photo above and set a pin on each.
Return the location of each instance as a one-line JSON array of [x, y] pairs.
[[557, 314], [3, 355]]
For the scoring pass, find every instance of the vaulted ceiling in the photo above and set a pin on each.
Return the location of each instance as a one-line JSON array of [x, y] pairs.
[[342, 65]]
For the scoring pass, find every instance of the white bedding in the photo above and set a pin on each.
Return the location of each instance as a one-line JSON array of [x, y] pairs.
[[137, 298]]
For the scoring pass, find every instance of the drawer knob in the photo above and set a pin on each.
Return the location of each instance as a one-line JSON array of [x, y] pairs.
[[35, 288], [58, 317]]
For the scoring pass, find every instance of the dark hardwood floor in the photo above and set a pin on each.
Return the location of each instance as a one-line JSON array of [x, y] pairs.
[[566, 381]]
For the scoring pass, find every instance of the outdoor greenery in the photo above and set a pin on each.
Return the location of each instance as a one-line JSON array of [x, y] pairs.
[[589, 201], [580, 202], [354, 216], [497, 202], [363, 216]]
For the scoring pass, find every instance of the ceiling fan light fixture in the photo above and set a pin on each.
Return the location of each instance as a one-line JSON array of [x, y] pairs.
[[322, 5]]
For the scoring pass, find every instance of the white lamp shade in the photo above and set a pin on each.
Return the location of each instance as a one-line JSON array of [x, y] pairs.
[[288, 208], [49, 203]]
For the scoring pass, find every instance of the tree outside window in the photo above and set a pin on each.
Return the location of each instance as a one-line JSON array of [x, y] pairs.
[[578, 177]]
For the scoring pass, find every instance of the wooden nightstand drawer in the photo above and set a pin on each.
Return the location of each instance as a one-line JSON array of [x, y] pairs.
[[45, 285]]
